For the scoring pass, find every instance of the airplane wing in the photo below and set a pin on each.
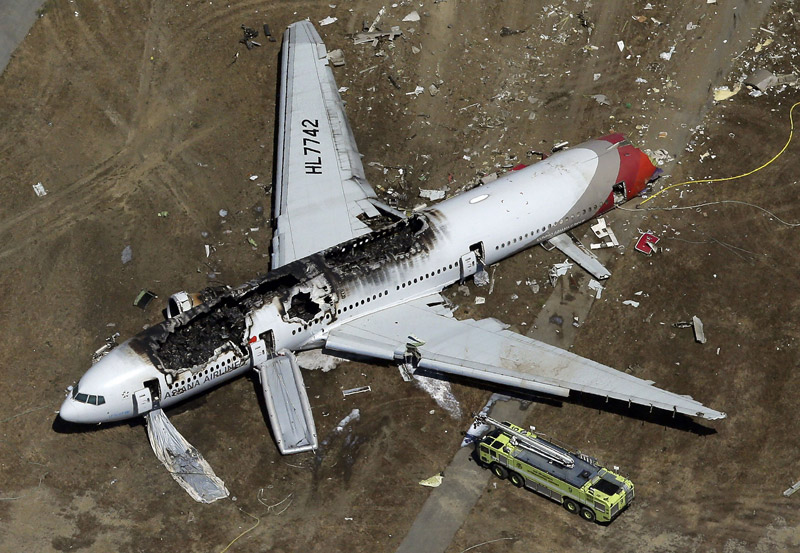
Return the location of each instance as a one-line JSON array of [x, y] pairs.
[[321, 195], [425, 330], [580, 255]]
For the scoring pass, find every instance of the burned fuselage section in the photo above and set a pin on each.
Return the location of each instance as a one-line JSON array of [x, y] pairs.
[[292, 303]]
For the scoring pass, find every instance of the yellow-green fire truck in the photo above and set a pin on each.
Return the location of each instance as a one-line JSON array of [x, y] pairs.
[[573, 479]]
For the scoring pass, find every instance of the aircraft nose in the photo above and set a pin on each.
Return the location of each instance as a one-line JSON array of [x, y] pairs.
[[70, 411]]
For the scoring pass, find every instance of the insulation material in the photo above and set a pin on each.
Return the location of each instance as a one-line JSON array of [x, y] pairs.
[[186, 465]]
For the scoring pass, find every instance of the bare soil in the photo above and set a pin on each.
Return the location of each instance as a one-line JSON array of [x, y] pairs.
[[131, 109]]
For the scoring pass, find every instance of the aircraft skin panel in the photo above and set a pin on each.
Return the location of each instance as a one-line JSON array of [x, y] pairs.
[[319, 179], [485, 350], [585, 259]]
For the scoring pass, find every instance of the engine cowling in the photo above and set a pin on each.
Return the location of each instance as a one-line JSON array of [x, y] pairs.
[[180, 302]]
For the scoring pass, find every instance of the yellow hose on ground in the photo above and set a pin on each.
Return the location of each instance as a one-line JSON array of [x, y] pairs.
[[722, 179]]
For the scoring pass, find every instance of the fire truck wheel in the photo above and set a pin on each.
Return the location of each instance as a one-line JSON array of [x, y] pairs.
[[587, 514], [516, 479], [499, 471], [571, 506]]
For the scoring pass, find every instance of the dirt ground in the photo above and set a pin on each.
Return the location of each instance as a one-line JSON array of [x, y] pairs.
[[126, 110]]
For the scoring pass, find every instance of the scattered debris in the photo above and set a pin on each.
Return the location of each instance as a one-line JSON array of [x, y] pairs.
[[481, 278], [336, 57], [416, 92], [601, 99], [268, 34], [723, 92], [666, 56], [186, 465], [533, 285], [433, 90], [761, 45], [762, 80], [433, 481], [794, 488], [39, 189], [575, 322], [621, 45], [375, 36], [359, 390], [144, 298], [252, 242], [328, 20], [314, 359], [659, 157], [127, 255], [699, 335], [413, 16], [486, 179], [604, 232], [441, 392], [631, 303], [559, 270], [253, 177], [223, 212], [432, 195], [354, 415], [111, 343], [505, 31], [163, 213], [249, 35], [647, 243], [480, 300], [597, 288]]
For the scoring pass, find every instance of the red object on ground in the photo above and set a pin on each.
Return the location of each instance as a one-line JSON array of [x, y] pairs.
[[646, 243]]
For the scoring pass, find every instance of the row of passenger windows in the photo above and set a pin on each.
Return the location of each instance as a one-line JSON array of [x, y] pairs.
[[366, 300], [535, 232], [87, 398], [221, 365]]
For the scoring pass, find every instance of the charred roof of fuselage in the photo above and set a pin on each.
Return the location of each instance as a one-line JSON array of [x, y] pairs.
[[191, 338], [371, 251]]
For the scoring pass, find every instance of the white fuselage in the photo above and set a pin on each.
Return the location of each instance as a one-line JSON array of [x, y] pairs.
[[477, 228]]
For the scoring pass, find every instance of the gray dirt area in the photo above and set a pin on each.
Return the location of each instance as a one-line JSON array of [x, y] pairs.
[[139, 154]]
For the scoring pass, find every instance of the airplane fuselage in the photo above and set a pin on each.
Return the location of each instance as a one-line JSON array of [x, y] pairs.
[[297, 305]]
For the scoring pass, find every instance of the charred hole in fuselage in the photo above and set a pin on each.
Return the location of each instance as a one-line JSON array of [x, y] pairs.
[[303, 307]]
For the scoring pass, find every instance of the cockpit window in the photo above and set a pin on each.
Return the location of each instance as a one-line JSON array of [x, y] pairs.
[[86, 398]]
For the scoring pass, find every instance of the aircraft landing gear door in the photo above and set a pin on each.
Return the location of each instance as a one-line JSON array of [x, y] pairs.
[[147, 398]]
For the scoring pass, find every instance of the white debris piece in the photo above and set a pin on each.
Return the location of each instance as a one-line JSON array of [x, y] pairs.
[[127, 255], [432, 195], [699, 334], [666, 56], [631, 303], [314, 359], [559, 270], [183, 461], [432, 482], [253, 177], [604, 232], [416, 92], [223, 212], [441, 393], [659, 157], [413, 16], [481, 278], [620, 45], [480, 300], [597, 76], [39, 189], [597, 287], [336, 57], [723, 92], [328, 20], [354, 415], [601, 99]]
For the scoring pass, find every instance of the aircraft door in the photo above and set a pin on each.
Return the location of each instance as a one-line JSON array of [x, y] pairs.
[[263, 348], [468, 264], [142, 401], [148, 398]]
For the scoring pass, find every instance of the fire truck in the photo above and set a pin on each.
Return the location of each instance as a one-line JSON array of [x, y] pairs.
[[575, 480]]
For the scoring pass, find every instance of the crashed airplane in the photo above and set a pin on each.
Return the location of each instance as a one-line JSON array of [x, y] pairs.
[[355, 277]]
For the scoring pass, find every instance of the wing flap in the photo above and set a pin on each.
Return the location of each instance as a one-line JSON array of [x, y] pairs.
[[487, 351]]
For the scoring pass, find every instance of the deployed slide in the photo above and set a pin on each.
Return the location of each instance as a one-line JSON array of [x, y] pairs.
[[329, 197], [424, 333], [183, 461], [287, 403]]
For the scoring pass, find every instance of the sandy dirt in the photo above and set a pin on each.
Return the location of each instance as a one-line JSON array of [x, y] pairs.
[[131, 109]]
